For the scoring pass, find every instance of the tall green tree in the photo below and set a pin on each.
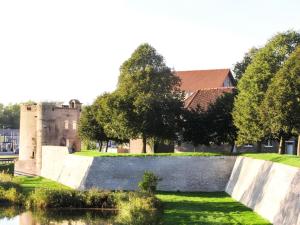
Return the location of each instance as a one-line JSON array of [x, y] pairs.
[[281, 105], [150, 101], [254, 84], [89, 129], [240, 67]]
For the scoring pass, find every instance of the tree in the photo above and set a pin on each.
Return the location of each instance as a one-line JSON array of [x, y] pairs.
[[281, 105], [195, 126], [214, 125], [220, 122], [149, 101], [89, 129], [110, 117], [240, 67], [10, 116], [254, 83]]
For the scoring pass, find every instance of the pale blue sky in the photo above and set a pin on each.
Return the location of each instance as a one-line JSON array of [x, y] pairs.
[[61, 49]]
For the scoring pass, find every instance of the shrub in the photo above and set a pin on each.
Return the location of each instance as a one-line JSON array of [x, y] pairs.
[[7, 168], [48, 198], [137, 208], [149, 182], [95, 198], [11, 196]]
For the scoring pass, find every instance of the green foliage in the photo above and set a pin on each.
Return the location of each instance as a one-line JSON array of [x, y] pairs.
[[220, 122], [254, 84], [149, 182], [215, 125], [195, 126], [281, 105], [240, 67], [10, 191], [110, 118], [7, 168], [137, 208], [148, 101], [89, 129], [10, 116]]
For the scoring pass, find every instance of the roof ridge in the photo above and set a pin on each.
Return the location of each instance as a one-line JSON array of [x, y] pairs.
[[214, 88], [202, 70]]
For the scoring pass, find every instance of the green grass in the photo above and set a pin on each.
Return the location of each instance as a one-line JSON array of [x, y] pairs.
[[205, 208], [92, 153], [291, 160], [30, 183]]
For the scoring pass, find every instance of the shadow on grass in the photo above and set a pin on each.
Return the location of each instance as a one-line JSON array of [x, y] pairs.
[[205, 208]]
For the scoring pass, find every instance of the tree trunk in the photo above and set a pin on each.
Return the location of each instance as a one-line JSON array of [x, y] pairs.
[[298, 146], [281, 149], [259, 146], [106, 146], [144, 144], [100, 146]]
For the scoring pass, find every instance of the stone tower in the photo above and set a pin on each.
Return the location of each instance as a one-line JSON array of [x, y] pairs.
[[46, 124]]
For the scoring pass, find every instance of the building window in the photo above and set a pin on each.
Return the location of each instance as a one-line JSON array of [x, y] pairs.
[[28, 108], [74, 125], [66, 124]]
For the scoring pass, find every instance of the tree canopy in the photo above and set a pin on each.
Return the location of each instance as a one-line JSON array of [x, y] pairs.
[[240, 67], [149, 99], [281, 105], [254, 84], [89, 129]]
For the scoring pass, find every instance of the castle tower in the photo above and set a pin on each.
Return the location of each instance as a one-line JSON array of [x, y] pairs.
[[46, 124]]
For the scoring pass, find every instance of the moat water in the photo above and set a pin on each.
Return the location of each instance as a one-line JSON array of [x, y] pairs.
[[18, 216]]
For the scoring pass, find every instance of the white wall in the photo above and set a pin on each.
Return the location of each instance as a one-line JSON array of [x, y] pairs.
[[270, 189]]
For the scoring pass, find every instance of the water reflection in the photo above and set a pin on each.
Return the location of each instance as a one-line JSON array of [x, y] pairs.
[[18, 216]]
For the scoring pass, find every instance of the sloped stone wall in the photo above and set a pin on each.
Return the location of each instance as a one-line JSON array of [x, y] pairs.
[[180, 173], [270, 189]]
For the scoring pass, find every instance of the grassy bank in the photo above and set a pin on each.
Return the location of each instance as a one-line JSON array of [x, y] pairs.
[[93, 153], [205, 208], [291, 160]]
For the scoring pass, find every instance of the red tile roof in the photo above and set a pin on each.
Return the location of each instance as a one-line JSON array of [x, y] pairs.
[[194, 80], [205, 97]]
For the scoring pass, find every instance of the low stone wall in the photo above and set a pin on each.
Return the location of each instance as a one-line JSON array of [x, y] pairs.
[[270, 189], [181, 173]]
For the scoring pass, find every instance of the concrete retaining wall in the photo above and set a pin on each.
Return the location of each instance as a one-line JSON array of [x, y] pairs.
[[123, 173], [270, 189]]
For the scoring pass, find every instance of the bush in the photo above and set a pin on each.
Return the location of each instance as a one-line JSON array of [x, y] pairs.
[[149, 182], [7, 168], [137, 208], [95, 198], [50, 198]]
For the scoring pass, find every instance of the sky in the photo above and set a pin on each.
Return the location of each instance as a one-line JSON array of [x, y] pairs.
[[63, 49]]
